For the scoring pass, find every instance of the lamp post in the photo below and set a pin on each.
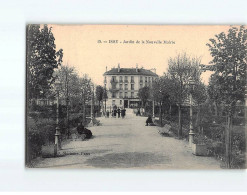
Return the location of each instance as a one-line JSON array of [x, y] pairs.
[[191, 132], [92, 107], [57, 134], [153, 110], [67, 117]]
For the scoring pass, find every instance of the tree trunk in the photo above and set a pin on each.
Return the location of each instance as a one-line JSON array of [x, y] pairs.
[[67, 119], [179, 121], [105, 106], [228, 141], [170, 110], [99, 108], [216, 109], [84, 111], [198, 122], [161, 124]]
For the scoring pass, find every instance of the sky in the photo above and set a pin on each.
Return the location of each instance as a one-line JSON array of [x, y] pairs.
[[82, 48]]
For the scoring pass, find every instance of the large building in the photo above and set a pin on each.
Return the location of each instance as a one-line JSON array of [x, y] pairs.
[[122, 85]]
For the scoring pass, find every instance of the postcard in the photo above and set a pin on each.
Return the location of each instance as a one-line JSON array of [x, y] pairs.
[[136, 96]]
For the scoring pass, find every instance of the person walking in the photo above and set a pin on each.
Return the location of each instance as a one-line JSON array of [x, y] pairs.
[[123, 112], [118, 112]]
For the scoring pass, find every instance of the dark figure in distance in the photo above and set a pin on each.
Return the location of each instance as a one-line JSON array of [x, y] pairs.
[[118, 112], [149, 120], [123, 112], [82, 130], [115, 113], [138, 113]]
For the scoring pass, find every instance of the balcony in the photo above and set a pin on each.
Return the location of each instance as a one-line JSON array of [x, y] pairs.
[[113, 81], [113, 90], [121, 81], [126, 81], [132, 81]]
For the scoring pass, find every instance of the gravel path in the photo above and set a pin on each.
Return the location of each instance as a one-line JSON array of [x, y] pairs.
[[127, 143]]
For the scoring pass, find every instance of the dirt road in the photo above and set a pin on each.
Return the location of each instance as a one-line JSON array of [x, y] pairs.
[[128, 143]]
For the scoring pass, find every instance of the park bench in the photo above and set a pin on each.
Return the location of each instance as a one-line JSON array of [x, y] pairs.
[[165, 130]]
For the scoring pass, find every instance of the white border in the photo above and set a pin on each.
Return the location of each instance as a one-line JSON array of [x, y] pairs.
[[14, 15]]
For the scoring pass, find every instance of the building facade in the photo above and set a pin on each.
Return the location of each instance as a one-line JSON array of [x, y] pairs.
[[123, 84]]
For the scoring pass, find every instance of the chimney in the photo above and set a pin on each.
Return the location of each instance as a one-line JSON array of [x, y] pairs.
[[136, 67], [153, 70], [118, 68], [106, 68]]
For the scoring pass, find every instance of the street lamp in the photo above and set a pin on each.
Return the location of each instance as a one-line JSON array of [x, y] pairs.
[[92, 107], [191, 84], [153, 110], [58, 86]]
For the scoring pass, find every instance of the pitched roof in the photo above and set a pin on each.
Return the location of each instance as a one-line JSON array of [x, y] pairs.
[[130, 71]]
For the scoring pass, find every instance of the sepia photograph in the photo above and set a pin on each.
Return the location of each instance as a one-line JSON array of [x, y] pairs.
[[169, 97]]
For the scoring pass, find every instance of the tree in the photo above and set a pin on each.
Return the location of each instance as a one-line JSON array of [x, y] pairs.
[[86, 93], [214, 92], [144, 95], [199, 95], [230, 58], [105, 97], [42, 58], [99, 93], [161, 93], [70, 87], [180, 69]]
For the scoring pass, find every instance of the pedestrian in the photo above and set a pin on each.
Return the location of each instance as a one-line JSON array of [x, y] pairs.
[[107, 113], [149, 120], [84, 131], [115, 113], [123, 112], [118, 112], [138, 113]]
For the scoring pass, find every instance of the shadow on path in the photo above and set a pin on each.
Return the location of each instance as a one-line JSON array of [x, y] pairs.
[[127, 160]]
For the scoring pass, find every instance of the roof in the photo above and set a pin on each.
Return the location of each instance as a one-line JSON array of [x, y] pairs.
[[130, 71]]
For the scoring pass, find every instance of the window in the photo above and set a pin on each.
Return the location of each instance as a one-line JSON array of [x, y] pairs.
[[141, 79], [113, 94], [113, 79], [120, 102], [121, 94], [125, 94], [120, 86], [146, 79], [121, 79], [149, 79], [126, 86], [141, 85], [132, 86], [126, 79], [113, 102], [132, 94], [105, 80], [132, 79]]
